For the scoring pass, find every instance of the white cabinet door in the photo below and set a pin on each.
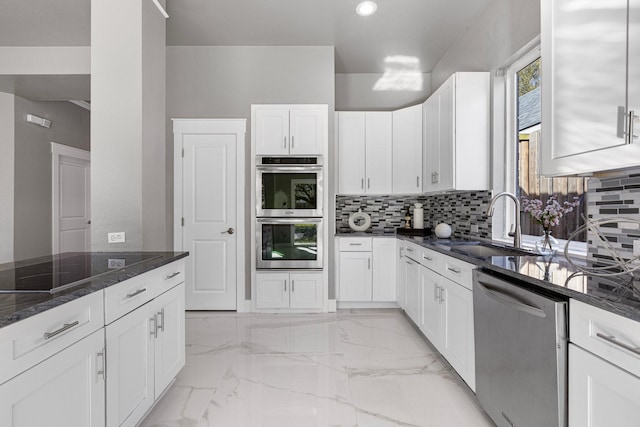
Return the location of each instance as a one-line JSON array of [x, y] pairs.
[[401, 291], [169, 351], [458, 343], [384, 269], [306, 290], [431, 148], [307, 128], [272, 131], [355, 276], [407, 150], [379, 152], [272, 290], [446, 121], [130, 358], [351, 152], [600, 394], [633, 88], [65, 390], [414, 292], [430, 305]]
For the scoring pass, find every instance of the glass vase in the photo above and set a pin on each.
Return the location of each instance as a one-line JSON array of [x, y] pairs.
[[547, 244]]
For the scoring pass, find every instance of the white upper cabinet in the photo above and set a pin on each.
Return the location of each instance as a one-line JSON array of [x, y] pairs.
[[365, 152], [590, 90], [456, 134], [407, 150], [290, 129]]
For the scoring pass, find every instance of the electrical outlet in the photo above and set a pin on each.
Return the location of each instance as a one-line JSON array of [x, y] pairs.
[[636, 248], [116, 263], [474, 228], [115, 237]]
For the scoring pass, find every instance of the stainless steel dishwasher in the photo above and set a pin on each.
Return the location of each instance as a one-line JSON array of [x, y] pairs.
[[521, 353]]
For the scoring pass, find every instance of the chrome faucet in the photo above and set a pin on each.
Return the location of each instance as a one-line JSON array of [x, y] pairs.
[[516, 232]]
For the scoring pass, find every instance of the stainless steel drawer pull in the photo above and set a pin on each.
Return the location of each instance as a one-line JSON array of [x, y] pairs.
[[292, 141], [435, 293], [612, 339], [154, 329], [101, 370], [410, 250], [427, 258], [408, 262], [293, 285], [138, 292], [285, 286], [355, 244], [369, 264], [171, 276], [455, 270], [285, 142], [66, 327]]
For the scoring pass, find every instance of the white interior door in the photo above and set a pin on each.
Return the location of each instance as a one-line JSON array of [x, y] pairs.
[[71, 198], [209, 211]]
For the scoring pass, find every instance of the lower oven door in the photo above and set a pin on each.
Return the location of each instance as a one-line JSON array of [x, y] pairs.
[[289, 243]]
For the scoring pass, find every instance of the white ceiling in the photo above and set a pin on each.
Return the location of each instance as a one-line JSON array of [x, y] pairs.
[[418, 32]]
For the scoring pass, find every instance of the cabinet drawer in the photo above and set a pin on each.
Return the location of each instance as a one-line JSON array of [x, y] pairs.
[[430, 259], [170, 275], [413, 251], [126, 296], [458, 271], [30, 341], [609, 336], [355, 244]]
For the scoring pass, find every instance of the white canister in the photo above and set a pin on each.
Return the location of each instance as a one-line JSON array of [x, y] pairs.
[[418, 216]]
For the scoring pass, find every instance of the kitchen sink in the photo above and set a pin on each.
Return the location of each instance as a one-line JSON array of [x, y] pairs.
[[487, 250]]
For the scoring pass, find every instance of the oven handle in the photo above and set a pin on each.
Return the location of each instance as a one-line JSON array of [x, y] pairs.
[[289, 168], [289, 220]]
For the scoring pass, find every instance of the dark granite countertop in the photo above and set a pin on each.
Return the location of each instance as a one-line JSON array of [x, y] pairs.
[[19, 306], [555, 274]]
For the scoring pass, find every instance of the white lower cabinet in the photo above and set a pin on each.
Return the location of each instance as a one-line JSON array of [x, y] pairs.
[[401, 275], [601, 394], [414, 291], [289, 290], [367, 269], [66, 389], [145, 351], [430, 326]]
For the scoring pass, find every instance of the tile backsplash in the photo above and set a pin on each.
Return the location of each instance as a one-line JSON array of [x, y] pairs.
[[616, 197], [460, 210]]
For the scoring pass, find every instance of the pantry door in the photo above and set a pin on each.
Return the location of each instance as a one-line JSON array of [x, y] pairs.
[[209, 198]]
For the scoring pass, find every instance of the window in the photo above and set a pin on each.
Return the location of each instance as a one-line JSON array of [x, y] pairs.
[[523, 84]]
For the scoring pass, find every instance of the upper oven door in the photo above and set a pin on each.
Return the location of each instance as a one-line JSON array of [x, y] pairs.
[[289, 191]]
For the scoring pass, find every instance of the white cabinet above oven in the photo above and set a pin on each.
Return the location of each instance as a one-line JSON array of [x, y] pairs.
[[290, 129]]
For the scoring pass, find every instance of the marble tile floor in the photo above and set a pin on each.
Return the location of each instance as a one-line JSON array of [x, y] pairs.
[[366, 368]]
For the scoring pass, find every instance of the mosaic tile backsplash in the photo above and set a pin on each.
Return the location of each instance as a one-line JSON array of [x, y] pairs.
[[460, 210], [617, 198]]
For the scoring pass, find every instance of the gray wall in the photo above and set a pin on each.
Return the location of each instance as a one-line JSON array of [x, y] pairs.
[[223, 82], [503, 28], [7, 144], [70, 126], [355, 92]]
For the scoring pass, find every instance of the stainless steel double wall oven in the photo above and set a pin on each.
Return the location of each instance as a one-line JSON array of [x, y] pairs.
[[289, 211]]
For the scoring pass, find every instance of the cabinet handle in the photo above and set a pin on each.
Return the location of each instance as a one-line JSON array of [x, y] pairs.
[[435, 292], [362, 183], [437, 175], [368, 182], [369, 263], [455, 270], [100, 371], [154, 330], [630, 128], [160, 325], [355, 244], [417, 181], [138, 292], [427, 258], [408, 262], [612, 339], [292, 141], [65, 327], [171, 276], [441, 295], [285, 285], [293, 285], [285, 142]]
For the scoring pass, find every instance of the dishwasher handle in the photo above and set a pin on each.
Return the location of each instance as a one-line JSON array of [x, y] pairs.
[[510, 300]]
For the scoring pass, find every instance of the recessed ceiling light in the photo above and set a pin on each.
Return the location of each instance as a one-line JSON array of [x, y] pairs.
[[366, 8]]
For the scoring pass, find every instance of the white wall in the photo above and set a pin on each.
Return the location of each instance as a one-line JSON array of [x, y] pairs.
[[33, 173], [223, 82], [7, 137], [373, 91], [502, 29]]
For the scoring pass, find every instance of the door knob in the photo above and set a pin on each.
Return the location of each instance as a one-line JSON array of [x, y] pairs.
[[229, 231]]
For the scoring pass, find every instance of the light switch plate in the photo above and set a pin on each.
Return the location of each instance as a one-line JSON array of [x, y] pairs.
[[474, 228]]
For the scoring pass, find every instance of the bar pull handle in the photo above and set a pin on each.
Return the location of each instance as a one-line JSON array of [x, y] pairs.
[[285, 285], [612, 339], [455, 270], [100, 371], [292, 141], [293, 285], [362, 183], [355, 244], [441, 294], [368, 263], [65, 327], [428, 258], [410, 250], [630, 124], [160, 325], [154, 329], [435, 292], [285, 142], [368, 182], [417, 181], [171, 276], [138, 292]]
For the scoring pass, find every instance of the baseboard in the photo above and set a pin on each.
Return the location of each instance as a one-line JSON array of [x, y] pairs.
[[331, 306], [368, 304]]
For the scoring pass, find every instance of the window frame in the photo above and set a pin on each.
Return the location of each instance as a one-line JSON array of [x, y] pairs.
[[510, 152]]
